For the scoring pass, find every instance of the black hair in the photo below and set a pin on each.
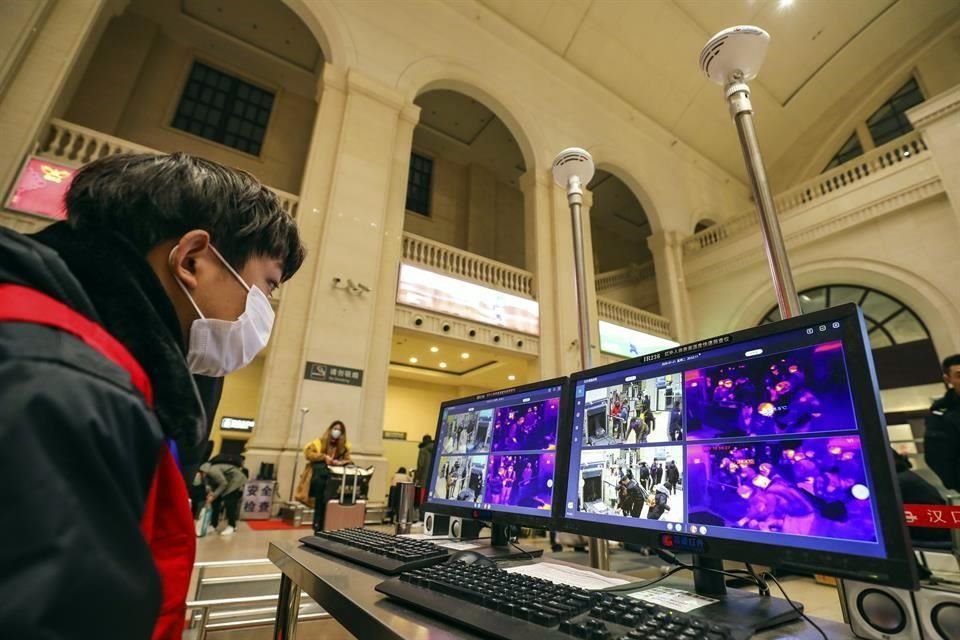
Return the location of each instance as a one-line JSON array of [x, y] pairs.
[[950, 361], [151, 198], [427, 439], [402, 470]]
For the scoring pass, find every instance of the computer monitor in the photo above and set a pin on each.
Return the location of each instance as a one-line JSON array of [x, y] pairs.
[[495, 455], [765, 446]]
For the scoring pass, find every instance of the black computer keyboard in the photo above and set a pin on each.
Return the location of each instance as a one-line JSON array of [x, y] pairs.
[[508, 606], [384, 552]]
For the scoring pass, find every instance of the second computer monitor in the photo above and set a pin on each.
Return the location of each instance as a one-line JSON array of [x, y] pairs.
[[766, 445], [495, 455]]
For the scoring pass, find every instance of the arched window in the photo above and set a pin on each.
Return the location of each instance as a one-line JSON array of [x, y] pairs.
[[901, 343]]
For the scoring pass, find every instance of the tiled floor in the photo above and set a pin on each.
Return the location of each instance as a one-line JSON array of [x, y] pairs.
[[820, 600]]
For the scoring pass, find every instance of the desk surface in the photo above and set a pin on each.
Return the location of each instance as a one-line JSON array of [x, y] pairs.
[[347, 593]]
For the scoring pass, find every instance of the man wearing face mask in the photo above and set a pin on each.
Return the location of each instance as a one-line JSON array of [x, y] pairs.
[[161, 270]]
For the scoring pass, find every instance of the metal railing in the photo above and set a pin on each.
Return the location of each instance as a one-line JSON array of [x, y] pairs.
[[75, 146], [895, 153], [222, 614]]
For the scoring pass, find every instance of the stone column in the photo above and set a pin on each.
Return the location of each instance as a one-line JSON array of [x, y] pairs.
[[46, 44], [938, 120], [351, 210], [549, 237], [667, 249]]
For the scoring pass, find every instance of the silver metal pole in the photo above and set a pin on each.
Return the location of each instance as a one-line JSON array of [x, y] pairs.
[[599, 549], [288, 610], [405, 507], [742, 111], [296, 456]]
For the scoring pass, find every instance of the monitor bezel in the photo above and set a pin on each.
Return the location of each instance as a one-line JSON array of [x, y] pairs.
[[898, 569], [547, 521]]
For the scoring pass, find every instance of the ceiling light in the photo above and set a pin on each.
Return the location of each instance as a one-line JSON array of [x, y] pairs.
[[413, 361], [443, 365], [511, 377], [906, 154], [464, 355], [785, 3], [434, 349]]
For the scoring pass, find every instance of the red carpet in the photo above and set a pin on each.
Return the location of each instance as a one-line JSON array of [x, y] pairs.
[[273, 525]]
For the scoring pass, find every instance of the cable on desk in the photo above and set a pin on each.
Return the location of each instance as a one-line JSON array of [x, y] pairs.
[[770, 576], [639, 585]]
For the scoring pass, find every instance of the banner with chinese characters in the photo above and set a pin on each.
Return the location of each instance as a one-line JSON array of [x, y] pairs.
[[936, 516], [257, 499], [41, 188]]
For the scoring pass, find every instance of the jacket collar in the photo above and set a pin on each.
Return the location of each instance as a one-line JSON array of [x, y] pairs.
[[133, 307]]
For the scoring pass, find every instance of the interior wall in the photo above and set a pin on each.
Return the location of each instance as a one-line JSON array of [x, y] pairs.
[[240, 399], [447, 222], [470, 209], [136, 77], [938, 69], [909, 254]]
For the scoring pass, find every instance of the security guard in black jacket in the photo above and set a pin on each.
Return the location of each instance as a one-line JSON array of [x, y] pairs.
[[942, 439]]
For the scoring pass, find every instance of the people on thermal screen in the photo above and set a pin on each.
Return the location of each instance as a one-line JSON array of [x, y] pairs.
[[162, 269], [329, 450], [942, 438]]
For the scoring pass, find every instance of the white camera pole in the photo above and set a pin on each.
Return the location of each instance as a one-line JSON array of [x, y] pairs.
[[730, 59], [296, 458], [573, 169]]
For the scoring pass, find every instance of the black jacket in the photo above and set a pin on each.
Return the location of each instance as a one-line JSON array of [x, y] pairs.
[[424, 459], [78, 443], [941, 442]]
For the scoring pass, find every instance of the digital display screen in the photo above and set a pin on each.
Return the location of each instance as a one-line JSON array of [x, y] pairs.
[[436, 292], [755, 441], [498, 453]]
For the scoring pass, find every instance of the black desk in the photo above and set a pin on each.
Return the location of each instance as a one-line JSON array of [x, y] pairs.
[[346, 592]]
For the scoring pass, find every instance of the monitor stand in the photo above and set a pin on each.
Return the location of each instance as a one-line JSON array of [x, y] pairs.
[[736, 607], [500, 544]]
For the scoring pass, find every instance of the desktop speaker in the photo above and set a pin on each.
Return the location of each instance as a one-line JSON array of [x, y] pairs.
[[877, 612], [436, 525], [461, 529]]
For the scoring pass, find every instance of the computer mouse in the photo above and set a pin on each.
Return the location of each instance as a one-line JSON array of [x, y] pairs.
[[471, 557]]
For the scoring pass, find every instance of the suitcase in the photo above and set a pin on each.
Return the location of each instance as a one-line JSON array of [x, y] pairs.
[[346, 513]]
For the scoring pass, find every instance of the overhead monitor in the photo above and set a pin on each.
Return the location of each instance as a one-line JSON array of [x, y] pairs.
[[766, 446], [495, 455]]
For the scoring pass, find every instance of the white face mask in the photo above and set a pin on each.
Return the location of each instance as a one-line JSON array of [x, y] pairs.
[[218, 347], [335, 433]]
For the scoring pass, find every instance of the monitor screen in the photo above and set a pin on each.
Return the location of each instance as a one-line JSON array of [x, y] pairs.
[[496, 453], [771, 436]]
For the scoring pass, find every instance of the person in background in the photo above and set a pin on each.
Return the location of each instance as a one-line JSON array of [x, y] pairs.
[[915, 490], [421, 475], [400, 476], [942, 438], [329, 450], [161, 269], [224, 484]]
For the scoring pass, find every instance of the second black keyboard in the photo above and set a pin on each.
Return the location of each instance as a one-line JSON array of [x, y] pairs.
[[507, 606], [384, 552]]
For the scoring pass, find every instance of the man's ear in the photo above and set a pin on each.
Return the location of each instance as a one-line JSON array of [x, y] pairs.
[[183, 259]]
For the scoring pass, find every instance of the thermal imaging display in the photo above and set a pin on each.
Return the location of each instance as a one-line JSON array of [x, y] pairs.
[[498, 452], [756, 441]]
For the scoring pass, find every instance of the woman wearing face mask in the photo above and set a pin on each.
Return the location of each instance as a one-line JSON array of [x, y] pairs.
[[330, 449]]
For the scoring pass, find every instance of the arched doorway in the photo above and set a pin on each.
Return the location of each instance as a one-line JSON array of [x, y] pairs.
[[463, 188], [622, 260]]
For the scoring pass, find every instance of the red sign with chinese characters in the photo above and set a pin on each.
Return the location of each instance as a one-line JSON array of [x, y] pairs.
[[41, 189], [932, 515]]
